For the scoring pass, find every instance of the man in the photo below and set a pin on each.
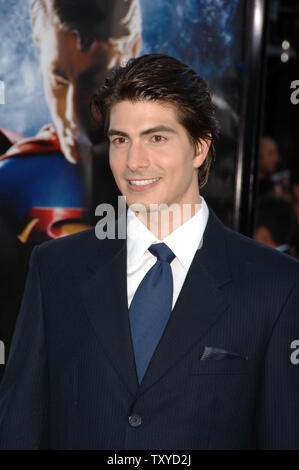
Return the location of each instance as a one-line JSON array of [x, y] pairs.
[[79, 42], [139, 343]]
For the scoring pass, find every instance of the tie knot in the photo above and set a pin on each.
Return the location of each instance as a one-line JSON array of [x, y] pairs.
[[162, 252]]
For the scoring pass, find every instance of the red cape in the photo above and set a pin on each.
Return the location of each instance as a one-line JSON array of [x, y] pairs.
[[46, 140]]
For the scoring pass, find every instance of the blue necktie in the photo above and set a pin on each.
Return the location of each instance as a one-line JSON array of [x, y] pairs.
[[151, 307]]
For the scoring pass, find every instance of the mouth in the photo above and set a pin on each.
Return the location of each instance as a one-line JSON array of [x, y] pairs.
[[142, 184]]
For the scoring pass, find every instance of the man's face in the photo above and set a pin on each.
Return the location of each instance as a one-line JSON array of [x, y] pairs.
[[151, 156], [70, 79]]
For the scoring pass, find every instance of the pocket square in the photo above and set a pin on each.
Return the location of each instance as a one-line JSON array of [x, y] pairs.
[[217, 354]]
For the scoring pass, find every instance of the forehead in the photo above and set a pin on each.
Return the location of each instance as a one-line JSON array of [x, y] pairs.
[[60, 50], [142, 114]]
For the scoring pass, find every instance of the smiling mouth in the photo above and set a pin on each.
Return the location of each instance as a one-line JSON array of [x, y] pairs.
[[143, 182]]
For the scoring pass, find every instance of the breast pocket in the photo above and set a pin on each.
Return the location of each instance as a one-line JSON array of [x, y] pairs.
[[221, 366]]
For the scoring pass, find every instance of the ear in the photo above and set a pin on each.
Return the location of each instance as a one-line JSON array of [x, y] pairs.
[[201, 152]]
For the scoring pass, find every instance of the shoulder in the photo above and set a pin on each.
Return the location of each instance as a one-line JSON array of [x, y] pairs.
[[76, 245], [75, 252], [244, 254], [261, 260]]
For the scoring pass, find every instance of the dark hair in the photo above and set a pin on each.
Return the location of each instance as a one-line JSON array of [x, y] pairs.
[[90, 20], [161, 78], [278, 216]]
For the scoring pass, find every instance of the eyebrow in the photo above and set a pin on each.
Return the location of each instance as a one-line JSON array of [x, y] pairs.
[[87, 75], [57, 71], [151, 130]]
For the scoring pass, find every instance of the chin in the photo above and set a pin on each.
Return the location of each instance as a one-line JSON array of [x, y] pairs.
[[138, 206], [145, 206]]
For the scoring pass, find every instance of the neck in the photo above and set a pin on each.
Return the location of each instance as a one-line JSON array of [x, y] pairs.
[[164, 221]]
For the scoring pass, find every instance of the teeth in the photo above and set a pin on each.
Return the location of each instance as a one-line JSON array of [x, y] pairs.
[[143, 182]]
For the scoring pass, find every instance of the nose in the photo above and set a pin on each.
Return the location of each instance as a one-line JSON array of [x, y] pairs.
[[71, 106], [137, 157]]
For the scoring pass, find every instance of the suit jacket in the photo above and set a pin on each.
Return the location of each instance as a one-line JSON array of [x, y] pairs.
[[220, 378]]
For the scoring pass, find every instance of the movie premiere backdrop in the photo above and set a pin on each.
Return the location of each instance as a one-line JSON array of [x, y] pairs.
[[54, 166]]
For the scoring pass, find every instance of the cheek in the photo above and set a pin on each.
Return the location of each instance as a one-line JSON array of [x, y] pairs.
[[164, 160], [83, 107], [83, 99], [174, 166], [56, 102], [115, 163]]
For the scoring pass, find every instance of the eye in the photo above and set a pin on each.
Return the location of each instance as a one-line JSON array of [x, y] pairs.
[[119, 140], [58, 81], [157, 139]]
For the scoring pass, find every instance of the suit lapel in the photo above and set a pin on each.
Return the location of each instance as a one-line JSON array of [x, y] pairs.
[[105, 298], [201, 301]]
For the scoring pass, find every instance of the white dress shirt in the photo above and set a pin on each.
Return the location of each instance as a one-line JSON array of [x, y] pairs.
[[184, 241]]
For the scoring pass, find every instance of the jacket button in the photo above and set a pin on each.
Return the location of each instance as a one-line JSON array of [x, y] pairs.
[[135, 421]]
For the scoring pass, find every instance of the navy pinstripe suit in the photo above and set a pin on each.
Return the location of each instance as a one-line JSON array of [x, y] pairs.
[[220, 378]]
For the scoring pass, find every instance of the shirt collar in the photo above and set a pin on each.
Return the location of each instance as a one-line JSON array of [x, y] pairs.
[[187, 239], [139, 238]]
